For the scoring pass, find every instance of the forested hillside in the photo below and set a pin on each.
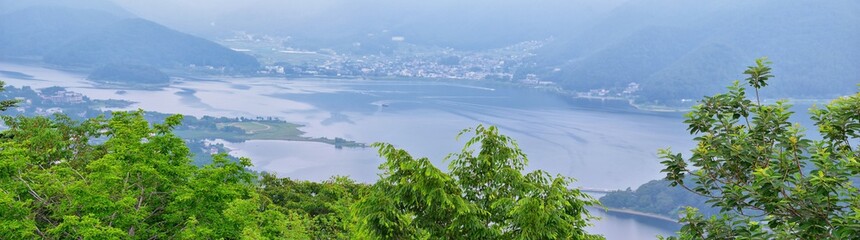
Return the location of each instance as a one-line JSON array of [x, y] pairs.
[[108, 6], [35, 32], [675, 50], [659, 198], [684, 49], [89, 38], [139, 41]]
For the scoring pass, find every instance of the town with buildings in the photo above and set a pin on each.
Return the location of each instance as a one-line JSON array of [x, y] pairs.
[[404, 60]]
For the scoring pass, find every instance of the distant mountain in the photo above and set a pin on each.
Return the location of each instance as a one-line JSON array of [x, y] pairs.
[[659, 198], [107, 6], [466, 25], [139, 41], [35, 32], [686, 49], [90, 38]]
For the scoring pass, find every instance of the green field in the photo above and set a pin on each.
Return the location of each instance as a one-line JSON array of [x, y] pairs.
[[268, 130], [261, 130], [270, 53]]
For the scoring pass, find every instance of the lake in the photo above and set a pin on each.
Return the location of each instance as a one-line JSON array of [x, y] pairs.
[[603, 144]]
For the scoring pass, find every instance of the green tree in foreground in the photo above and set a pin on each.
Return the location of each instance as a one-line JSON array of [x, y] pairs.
[[326, 204], [769, 180], [122, 178], [7, 103], [484, 196]]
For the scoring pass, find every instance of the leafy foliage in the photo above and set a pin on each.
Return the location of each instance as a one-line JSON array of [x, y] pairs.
[[122, 178], [326, 204], [485, 196], [766, 177], [8, 103]]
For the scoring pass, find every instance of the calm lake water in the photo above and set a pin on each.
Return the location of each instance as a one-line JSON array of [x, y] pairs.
[[604, 145]]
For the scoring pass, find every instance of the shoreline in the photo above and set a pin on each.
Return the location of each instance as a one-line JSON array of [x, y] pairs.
[[201, 76], [637, 213]]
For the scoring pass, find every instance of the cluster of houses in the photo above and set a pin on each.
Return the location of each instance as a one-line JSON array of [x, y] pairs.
[[60, 97], [63, 97], [628, 91]]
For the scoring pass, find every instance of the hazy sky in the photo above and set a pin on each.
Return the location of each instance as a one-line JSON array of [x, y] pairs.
[[592, 39], [342, 19]]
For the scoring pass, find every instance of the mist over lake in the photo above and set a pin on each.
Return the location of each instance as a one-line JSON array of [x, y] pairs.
[[603, 144]]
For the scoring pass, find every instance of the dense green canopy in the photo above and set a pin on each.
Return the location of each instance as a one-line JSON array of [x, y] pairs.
[[768, 178], [124, 178], [485, 196]]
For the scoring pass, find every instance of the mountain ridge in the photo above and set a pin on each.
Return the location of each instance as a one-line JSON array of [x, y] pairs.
[[90, 38], [808, 43]]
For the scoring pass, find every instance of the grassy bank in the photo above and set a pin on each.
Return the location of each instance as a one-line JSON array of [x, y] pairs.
[[240, 131]]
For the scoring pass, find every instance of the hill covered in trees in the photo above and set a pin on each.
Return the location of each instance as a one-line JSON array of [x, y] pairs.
[[139, 41], [673, 49], [659, 198], [89, 38], [685, 50]]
